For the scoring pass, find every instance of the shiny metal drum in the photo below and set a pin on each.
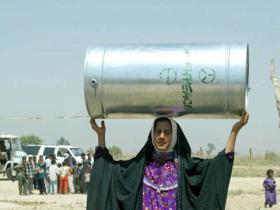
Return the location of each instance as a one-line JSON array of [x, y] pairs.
[[187, 80]]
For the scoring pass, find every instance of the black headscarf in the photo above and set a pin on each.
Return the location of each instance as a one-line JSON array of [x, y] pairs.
[[118, 185]]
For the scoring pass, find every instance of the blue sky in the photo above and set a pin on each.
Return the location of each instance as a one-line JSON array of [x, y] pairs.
[[43, 46]]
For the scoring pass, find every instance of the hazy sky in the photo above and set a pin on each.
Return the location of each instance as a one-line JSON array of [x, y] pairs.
[[43, 45]]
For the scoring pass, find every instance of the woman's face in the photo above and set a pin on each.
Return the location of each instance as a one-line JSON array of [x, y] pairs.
[[162, 135]]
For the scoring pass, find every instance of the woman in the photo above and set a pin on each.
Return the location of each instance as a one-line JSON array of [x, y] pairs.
[[163, 175]]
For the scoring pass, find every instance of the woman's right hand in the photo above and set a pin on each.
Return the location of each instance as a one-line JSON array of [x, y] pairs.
[[100, 130]]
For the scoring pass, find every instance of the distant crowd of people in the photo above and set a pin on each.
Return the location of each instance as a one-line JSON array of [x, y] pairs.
[[50, 177]]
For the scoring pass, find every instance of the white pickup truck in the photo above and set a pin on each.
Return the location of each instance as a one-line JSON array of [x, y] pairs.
[[10, 145], [59, 151]]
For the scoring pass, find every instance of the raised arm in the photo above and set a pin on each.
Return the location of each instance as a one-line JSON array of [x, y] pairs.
[[100, 132], [234, 131]]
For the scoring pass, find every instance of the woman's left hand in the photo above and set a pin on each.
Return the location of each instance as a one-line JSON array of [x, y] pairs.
[[234, 131], [242, 122]]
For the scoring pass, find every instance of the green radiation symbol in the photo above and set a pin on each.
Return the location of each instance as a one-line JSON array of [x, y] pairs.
[[168, 76], [207, 75]]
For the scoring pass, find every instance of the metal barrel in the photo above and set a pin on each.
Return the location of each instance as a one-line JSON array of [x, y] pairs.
[[178, 80]]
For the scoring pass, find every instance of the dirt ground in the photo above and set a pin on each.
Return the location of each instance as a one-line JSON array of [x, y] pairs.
[[244, 194], [10, 199]]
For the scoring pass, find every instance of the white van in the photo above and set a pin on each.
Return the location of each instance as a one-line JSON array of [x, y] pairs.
[[59, 151]]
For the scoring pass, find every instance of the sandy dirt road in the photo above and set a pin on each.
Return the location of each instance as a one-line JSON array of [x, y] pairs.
[[10, 199]]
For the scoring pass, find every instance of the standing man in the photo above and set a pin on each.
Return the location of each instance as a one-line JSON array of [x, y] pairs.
[[41, 173], [53, 174], [29, 173], [48, 164], [34, 163], [3, 154], [77, 174], [22, 177]]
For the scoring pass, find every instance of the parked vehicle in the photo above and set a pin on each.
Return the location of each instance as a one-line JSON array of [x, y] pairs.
[[11, 146], [31, 149], [59, 151]]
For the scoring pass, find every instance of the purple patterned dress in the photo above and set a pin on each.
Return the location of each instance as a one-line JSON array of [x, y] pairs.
[[270, 191], [160, 185], [160, 182]]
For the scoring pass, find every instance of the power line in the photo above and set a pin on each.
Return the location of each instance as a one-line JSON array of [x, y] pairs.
[[44, 118]]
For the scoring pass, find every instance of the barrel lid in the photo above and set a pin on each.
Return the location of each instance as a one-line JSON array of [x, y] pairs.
[[93, 67], [238, 79]]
